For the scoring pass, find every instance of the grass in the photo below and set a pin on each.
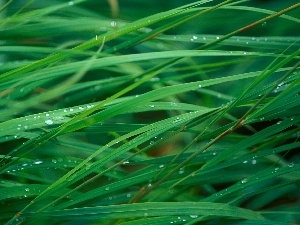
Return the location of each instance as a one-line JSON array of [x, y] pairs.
[[145, 112]]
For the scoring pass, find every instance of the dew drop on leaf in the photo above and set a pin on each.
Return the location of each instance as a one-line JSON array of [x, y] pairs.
[[244, 180], [113, 23], [38, 162], [49, 122]]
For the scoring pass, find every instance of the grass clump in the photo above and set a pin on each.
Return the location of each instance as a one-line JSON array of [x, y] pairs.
[[113, 114]]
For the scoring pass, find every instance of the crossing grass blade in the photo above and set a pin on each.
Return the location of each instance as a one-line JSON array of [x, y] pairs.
[[177, 114]]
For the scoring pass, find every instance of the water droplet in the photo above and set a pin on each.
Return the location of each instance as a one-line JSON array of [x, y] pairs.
[[245, 53], [27, 189], [125, 162], [254, 161], [245, 161], [204, 38], [102, 29], [214, 153], [38, 162], [54, 160], [279, 122], [181, 171], [217, 38], [199, 85], [107, 189], [244, 180], [151, 142], [47, 114], [152, 106], [264, 24], [291, 164], [280, 84], [113, 23], [177, 120], [161, 166], [49, 122], [193, 216], [81, 108], [195, 37], [71, 110]]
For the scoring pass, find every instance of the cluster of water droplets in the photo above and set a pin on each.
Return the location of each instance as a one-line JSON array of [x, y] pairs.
[[51, 120], [177, 120], [279, 87], [179, 219], [194, 38]]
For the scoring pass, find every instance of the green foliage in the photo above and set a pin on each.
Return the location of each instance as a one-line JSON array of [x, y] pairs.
[[164, 113]]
